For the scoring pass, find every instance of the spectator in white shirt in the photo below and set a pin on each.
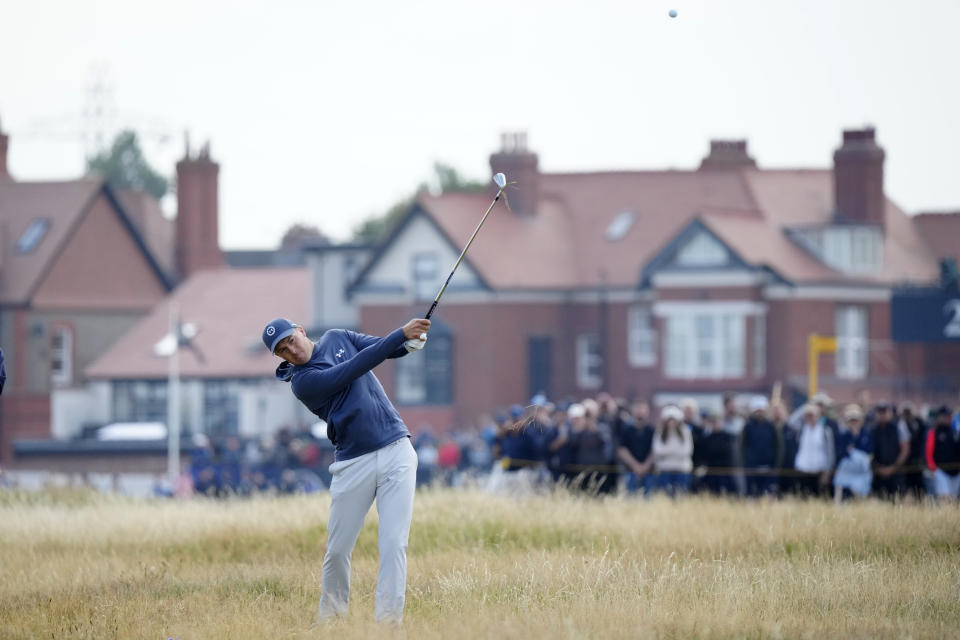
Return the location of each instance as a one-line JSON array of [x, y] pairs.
[[815, 453]]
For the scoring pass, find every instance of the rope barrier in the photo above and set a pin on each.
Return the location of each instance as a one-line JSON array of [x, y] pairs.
[[709, 471]]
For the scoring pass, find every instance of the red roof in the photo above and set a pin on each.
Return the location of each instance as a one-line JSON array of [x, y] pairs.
[[941, 231], [564, 245], [21, 203], [230, 308]]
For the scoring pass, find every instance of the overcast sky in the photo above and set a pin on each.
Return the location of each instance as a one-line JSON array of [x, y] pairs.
[[327, 112]]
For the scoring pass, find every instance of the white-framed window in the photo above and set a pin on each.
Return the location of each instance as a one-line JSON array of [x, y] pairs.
[[589, 361], [705, 344], [759, 346], [641, 336], [426, 377], [411, 381], [851, 332], [61, 356], [848, 248], [425, 275], [702, 250]]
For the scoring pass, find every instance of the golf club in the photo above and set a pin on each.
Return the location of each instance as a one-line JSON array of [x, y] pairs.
[[501, 181]]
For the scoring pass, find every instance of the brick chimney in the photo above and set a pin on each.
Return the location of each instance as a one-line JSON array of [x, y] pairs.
[[197, 245], [858, 178], [728, 154], [4, 144], [520, 166]]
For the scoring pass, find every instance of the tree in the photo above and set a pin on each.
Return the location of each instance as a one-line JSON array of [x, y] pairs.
[[300, 234], [447, 179], [124, 166]]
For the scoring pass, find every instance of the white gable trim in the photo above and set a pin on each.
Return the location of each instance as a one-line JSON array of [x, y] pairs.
[[393, 275]]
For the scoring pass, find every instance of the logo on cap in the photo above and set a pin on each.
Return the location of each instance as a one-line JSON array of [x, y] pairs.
[[271, 330]]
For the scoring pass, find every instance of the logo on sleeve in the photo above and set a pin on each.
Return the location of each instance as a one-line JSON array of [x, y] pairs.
[[339, 353]]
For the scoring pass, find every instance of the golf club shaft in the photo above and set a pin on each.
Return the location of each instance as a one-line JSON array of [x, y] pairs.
[[463, 253]]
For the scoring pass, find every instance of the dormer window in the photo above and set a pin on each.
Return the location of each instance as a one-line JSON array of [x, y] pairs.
[[846, 248]]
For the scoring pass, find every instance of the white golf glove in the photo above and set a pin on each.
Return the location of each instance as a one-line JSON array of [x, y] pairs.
[[416, 344]]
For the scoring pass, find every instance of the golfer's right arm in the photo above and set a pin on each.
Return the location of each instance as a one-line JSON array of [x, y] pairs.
[[316, 385]]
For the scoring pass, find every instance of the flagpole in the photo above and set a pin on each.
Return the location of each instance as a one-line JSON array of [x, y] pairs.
[[173, 402]]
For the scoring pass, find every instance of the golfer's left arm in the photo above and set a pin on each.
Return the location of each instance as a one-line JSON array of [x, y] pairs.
[[411, 331]]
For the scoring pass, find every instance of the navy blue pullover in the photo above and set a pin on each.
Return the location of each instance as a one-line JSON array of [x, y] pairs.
[[338, 386]]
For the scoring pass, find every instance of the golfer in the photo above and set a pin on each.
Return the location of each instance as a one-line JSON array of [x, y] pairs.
[[374, 457]]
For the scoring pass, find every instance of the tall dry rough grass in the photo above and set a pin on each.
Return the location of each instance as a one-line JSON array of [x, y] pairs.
[[86, 566]]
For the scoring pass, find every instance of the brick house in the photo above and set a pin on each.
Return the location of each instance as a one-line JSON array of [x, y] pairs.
[[81, 264], [76, 271], [657, 284]]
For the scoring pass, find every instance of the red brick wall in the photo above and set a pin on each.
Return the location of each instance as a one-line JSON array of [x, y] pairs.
[[22, 416]]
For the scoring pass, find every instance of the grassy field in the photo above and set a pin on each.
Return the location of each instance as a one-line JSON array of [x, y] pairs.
[[86, 566]]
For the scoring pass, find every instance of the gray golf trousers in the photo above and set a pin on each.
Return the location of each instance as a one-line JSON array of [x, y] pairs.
[[389, 475]]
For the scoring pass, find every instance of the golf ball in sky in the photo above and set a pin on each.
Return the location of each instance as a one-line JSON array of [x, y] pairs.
[[673, 13]]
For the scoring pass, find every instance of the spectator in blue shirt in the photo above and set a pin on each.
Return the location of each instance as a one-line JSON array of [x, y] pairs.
[[761, 450], [853, 476]]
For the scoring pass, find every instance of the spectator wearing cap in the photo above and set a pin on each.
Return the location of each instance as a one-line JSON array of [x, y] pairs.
[[594, 451], [891, 441], [561, 448], [825, 403], [916, 461], [672, 452], [815, 452], [634, 445], [853, 475], [761, 450], [943, 454], [713, 457]]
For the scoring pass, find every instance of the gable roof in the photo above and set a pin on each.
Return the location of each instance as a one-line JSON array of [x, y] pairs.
[[415, 212], [230, 307], [565, 246], [64, 204], [664, 258]]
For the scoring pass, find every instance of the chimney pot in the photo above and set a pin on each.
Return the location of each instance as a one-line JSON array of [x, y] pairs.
[[728, 154]]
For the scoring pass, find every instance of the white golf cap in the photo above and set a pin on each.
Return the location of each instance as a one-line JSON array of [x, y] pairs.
[[576, 410], [758, 403]]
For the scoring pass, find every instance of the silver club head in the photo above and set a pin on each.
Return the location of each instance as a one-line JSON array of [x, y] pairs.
[[500, 179]]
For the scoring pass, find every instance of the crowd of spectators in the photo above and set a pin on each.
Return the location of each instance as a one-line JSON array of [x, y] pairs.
[[753, 449], [603, 445]]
